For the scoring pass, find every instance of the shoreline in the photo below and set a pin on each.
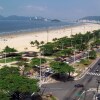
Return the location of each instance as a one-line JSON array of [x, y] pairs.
[[22, 40], [17, 33]]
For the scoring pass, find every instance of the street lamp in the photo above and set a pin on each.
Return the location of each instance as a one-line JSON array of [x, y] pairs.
[[40, 72], [5, 51], [71, 31], [62, 46], [74, 54], [81, 40], [47, 35], [84, 29]]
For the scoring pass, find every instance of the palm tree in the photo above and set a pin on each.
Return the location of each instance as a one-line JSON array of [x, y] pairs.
[[36, 43], [32, 43], [55, 39], [42, 42]]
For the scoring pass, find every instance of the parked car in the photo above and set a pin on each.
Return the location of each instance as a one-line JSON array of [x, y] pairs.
[[98, 63], [79, 85], [96, 71], [98, 97]]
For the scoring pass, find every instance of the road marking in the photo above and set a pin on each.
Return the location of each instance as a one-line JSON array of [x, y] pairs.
[[91, 89], [86, 71], [91, 73]]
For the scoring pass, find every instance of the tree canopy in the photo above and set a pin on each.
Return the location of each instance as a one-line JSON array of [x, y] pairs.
[[11, 81], [7, 49], [61, 67], [37, 61]]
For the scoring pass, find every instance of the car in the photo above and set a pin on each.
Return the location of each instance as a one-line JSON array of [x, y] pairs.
[[67, 62], [98, 97], [79, 85], [96, 71], [98, 63]]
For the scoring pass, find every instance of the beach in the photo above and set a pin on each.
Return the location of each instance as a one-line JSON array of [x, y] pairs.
[[22, 41]]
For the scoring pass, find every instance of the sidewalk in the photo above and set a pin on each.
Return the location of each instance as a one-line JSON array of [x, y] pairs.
[[48, 80]]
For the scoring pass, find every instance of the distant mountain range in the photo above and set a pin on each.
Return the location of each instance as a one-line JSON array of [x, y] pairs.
[[14, 17], [90, 19]]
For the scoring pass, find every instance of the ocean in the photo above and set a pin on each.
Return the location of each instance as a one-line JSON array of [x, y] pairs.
[[17, 26]]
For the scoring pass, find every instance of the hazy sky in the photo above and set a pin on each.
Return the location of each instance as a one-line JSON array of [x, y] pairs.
[[62, 9]]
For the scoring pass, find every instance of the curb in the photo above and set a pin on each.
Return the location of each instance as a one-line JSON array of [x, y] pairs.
[[85, 71]]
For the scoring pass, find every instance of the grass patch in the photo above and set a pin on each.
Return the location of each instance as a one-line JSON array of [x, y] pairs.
[[82, 65], [53, 98], [98, 54], [8, 60], [85, 61]]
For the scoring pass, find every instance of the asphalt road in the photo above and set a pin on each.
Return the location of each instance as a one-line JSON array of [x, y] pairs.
[[67, 91]]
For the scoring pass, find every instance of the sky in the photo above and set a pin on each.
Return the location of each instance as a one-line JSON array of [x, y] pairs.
[[61, 9]]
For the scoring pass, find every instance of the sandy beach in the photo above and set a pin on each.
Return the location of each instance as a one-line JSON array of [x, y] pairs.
[[22, 41]]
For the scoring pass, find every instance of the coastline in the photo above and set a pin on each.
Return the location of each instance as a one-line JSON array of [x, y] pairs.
[[22, 40], [28, 31]]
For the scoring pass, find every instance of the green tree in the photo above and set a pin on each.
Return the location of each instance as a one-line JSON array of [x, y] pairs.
[[92, 54], [37, 61], [61, 68], [42, 42], [47, 49], [37, 43], [81, 47], [11, 81], [4, 96], [32, 43], [96, 43], [68, 51], [7, 49]]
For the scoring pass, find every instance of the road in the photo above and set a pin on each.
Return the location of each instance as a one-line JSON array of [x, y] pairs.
[[67, 91]]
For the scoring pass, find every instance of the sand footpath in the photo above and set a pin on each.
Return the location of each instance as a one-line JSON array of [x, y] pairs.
[[22, 41]]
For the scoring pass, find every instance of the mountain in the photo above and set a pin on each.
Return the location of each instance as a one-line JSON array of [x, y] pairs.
[[55, 20], [14, 17], [34, 18], [96, 18], [90, 19]]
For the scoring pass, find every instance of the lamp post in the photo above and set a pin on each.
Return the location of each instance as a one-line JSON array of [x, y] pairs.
[[40, 72], [5, 51], [81, 40], [71, 31], [74, 54], [84, 29], [89, 46], [62, 46], [47, 35]]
